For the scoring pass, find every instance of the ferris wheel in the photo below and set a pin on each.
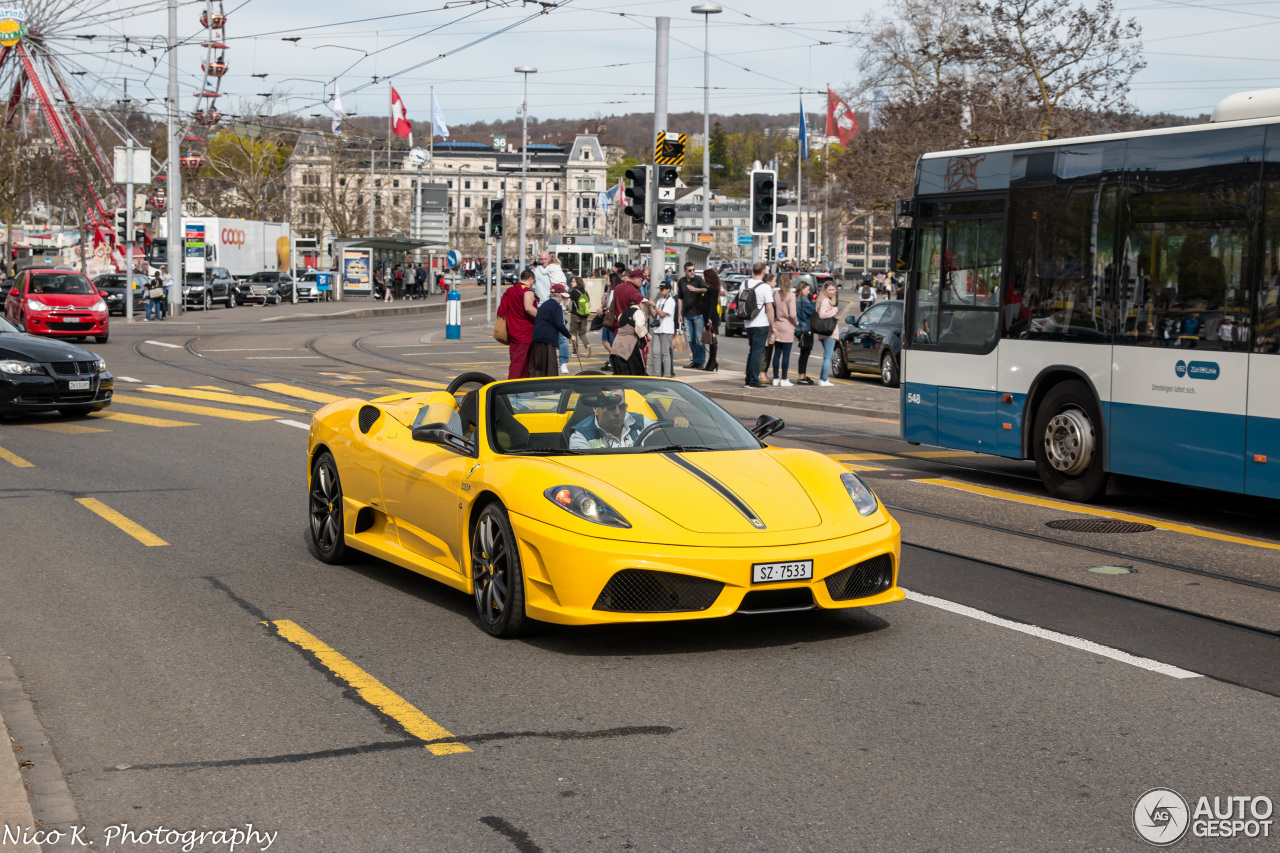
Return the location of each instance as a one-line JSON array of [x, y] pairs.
[[206, 116]]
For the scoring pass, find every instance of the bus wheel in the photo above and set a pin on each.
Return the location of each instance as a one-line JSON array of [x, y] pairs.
[[1068, 444]]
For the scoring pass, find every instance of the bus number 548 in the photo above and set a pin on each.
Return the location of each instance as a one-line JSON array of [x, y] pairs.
[[913, 398]]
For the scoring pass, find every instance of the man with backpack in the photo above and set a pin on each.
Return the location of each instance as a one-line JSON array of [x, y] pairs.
[[420, 282], [579, 317], [755, 309]]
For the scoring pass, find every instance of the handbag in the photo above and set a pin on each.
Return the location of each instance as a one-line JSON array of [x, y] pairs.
[[500, 330], [680, 343], [155, 293], [708, 336], [822, 325], [597, 323]]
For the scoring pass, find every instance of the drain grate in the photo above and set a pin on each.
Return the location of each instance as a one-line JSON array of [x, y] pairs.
[[1099, 525]]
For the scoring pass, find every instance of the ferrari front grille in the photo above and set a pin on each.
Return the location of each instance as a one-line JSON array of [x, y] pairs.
[[647, 591], [368, 417], [868, 578]]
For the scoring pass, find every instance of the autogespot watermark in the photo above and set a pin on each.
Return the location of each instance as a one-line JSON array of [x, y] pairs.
[[122, 834], [1162, 817]]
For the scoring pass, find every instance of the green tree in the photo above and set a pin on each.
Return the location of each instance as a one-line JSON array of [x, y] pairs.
[[618, 169]]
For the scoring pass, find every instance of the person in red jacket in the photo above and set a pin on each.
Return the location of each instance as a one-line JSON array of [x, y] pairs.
[[518, 308]]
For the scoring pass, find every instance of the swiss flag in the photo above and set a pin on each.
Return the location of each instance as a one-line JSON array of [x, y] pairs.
[[840, 119], [399, 115]]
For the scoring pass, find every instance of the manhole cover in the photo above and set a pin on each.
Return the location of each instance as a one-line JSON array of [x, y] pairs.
[[1098, 525]]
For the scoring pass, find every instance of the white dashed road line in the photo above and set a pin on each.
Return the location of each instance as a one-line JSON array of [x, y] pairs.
[[163, 344], [128, 379], [294, 424], [1053, 636]]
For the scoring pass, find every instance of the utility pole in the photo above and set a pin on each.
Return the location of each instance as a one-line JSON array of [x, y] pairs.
[[657, 243], [128, 220], [526, 70], [175, 246]]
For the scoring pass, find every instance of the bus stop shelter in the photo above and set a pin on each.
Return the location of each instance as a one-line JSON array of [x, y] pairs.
[[358, 257]]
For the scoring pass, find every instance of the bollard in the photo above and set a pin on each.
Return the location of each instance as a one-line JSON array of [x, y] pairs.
[[453, 316]]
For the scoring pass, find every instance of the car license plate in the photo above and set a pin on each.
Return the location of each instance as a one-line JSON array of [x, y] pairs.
[[796, 570], [75, 319], [78, 384]]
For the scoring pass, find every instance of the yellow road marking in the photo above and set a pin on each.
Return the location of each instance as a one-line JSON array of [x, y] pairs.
[[860, 457], [371, 690], [300, 393], [1088, 510], [126, 418], [218, 397], [208, 411], [65, 429], [418, 383], [133, 528], [14, 459], [210, 388], [852, 467], [937, 454]]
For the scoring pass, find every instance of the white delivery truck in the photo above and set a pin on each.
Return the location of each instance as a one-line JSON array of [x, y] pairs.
[[241, 246]]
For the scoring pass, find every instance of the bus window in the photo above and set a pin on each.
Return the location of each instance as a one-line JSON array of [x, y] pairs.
[[1266, 336], [928, 283], [969, 279]]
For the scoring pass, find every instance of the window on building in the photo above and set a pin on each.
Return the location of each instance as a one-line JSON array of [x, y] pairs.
[[879, 248], [538, 186], [586, 153], [785, 238], [537, 204], [395, 201], [342, 182], [856, 248], [879, 263], [377, 182], [466, 185], [396, 184], [466, 220], [555, 222], [466, 201], [556, 186], [484, 185]]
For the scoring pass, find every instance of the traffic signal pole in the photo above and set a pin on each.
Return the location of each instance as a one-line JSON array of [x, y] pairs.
[[128, 223], [657, 243]]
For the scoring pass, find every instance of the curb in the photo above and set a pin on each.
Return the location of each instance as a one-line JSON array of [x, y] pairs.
[[50, 803], [368, 313], [832, 408]]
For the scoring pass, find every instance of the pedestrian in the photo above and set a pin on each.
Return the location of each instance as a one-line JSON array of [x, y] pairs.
[[518, 309], [608, 323], [548, 330], [579, 317], [399, 281], [546, 272], [756, 294], [155, 293], [625, 356], [767, 358], [665, 310], [784, 328], [166, 282], [828, 309], [692, 289], [420, 282], [380, 284], [711, 317], [804, 310]]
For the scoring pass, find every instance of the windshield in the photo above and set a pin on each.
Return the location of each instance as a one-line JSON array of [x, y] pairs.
[[60, 283], [604, 415], [7, 327], [263, 276], [109, 281]]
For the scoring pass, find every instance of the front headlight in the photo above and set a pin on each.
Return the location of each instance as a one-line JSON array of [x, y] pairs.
[[102, 365], [20, 368], [863, 498], [37, 305], [99, 306], [585, 505]]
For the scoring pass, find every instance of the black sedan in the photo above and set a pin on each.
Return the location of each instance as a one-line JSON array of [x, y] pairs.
[[871, 343], [279, 288], [214, 286], [42, 375], [113, 284]]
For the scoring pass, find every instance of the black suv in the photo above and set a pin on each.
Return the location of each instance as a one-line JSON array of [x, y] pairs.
[[113, 284], [202, 290], [279, 287], [872, 343]]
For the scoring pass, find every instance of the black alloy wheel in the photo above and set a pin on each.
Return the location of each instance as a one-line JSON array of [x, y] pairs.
[[1067, 444], [324, 515], [497, 582]]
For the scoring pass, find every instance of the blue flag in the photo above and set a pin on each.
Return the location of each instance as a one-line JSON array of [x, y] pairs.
[[804, 134]]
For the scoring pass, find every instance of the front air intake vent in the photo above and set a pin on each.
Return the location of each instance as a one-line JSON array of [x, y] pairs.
[[645, 591], [868, 578], [368, 417]]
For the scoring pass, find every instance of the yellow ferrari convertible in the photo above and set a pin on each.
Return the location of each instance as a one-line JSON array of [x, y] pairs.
[[589, 499]]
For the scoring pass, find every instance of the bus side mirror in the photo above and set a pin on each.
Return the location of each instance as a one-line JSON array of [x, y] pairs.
[[903, 244]]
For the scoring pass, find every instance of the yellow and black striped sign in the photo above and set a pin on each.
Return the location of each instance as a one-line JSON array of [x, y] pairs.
[[668, 150]]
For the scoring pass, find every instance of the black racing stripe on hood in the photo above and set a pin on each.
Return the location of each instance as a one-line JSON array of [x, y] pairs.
[[720, 488]]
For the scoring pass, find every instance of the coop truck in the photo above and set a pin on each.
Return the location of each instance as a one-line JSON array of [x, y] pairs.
[[242, 246]]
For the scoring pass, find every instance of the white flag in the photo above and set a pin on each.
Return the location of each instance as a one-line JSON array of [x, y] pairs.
[[438, 127], [338, 113]]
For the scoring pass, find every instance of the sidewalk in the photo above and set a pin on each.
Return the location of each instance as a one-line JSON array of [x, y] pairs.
[[15, 809], [864, 396]]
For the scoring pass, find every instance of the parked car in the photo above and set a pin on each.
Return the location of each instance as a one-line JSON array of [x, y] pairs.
[[510, 272], [38, 375], [59, 303], [306, 284], [871, 343], [202, 290], [732, 284], [279, 288], [113, 284]]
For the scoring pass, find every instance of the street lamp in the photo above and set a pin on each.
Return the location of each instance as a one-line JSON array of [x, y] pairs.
[[706, 10], [526, 70]]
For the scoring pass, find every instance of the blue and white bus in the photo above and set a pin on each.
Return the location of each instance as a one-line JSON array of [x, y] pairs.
[[1103, 305]]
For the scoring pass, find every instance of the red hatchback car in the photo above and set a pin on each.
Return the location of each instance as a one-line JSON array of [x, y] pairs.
[[57, 303]]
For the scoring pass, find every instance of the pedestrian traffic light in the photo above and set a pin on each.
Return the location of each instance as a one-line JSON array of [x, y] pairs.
[[668, 176], [637, 186], [773, 254], [666, 214], [122, 226], [495, 218], [764, 200]]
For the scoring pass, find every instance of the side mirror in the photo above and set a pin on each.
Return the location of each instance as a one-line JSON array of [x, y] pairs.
[[13, 291], [102, 293], [851, 320], [440, 434], [767, 425]]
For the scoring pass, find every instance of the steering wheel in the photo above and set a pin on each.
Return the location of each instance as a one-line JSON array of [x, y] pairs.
[[468, 378], [651, 429]]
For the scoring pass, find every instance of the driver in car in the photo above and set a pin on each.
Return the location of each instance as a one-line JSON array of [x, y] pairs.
[[610, 424]]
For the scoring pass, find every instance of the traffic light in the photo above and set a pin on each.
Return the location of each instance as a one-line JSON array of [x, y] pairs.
[[668, 176], [638, 183], [495, 218], [122, 226], [666, 214], [672, 149], [764, 200], [773, 254]]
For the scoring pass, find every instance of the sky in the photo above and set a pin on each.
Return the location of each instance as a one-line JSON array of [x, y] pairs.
[[595, 57]]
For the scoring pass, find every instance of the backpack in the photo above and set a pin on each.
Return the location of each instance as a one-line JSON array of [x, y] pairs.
[[748, 302], [582, 305]]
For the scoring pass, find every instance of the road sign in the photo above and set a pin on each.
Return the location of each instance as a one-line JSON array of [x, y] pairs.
[[744, 239], [322, 281], [704, 237], [452, 259], [668, 149]]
